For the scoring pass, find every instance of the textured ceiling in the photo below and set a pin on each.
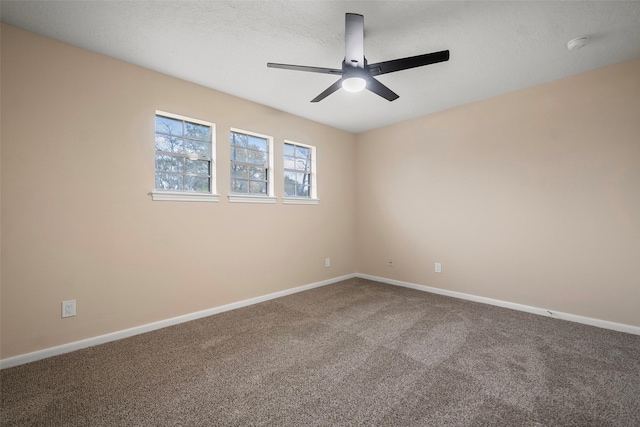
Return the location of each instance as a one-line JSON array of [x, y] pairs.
[[496, 47]]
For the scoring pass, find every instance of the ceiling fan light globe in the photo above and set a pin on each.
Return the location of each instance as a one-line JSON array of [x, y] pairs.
[[354, 84]]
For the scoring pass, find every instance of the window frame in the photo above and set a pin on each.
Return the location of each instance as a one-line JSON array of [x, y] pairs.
[[269, 198], [312, 199], [189, 196]]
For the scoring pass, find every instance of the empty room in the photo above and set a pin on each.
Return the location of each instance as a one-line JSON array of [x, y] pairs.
[[320, 213]]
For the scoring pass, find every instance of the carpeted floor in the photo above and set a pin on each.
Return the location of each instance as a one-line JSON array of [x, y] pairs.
[[353, 353]]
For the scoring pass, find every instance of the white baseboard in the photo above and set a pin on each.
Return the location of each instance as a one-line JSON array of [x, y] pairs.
[[620, 327], [90, 342]]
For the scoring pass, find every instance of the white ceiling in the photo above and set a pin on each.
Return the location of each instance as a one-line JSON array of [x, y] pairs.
[[496, 46]]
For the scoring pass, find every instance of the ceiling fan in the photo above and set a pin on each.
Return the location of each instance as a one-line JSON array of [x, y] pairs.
[[356, 73]]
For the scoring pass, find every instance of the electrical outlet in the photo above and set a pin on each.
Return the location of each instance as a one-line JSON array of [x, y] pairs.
[[327, 262], [390, 262], [69, 308], [438, 268]]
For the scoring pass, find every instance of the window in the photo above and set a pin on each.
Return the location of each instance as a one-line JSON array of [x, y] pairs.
[[251, 167], [185, 155], [299, 173]]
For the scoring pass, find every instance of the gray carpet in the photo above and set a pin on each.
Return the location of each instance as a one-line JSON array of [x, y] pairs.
[[353, 353]]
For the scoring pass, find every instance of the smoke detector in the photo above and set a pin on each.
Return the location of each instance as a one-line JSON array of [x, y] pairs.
[[577, 43]]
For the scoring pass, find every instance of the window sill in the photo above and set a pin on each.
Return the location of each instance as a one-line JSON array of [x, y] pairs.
[[242, 198], [176, 196], [299, 201]]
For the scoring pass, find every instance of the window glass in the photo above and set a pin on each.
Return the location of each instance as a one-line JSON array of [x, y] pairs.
[[298, 170], [183, 154], [250, 160]]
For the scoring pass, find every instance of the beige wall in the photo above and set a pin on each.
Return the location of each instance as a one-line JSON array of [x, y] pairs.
[[78, 223], [531, 197]]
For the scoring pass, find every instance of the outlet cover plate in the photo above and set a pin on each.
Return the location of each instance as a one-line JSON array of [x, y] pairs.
[[69, 308]]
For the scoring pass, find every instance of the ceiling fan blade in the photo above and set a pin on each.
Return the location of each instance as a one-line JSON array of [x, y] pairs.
[[354, 40], [305, 68], [379, 89], [328, 91], [406, 63]]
